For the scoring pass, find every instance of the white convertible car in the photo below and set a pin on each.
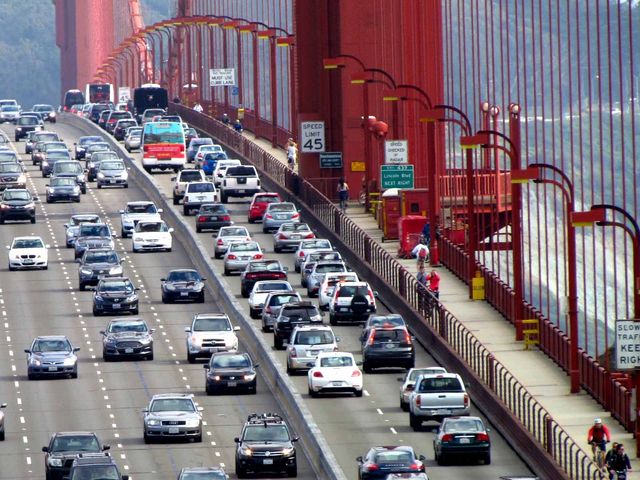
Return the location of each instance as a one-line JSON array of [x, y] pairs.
[[335, 372], [155, 235], [28, 252]]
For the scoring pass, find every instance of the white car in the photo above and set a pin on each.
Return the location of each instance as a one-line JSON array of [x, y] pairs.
[[306, 343], [261, 291], [325, 293], [197, 193], [28, 252], [228, 235], [239, 255], [135, 212], [155, 235], [210, 333], [335, 372], [221, 168]]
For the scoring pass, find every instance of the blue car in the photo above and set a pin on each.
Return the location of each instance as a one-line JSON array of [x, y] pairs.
[[210, 160]]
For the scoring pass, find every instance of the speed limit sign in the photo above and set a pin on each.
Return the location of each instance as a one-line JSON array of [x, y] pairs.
[[312, 137]]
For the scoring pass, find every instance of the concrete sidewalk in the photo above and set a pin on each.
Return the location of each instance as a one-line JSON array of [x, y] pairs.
[[538, 373]]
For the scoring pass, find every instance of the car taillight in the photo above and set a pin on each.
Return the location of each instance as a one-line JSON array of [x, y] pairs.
[[356, 373], [146, 148], [466, 400], [225, 217], [250, 276], [182, 148], [295, 215], [268, 215], [282, 236], [335, 349], [220, 242], [311, 235], [372, 337], [293, 354], [372, 466], [482, 437], [258, 256], [447, 437], [414, 466], [202, 218], [407, 338], [232, 257], [418, 400], [282, 275], [317, 374], [301, 254], [267, 310]]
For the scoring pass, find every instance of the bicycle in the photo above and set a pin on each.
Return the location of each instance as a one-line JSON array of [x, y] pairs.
[[598, 453]]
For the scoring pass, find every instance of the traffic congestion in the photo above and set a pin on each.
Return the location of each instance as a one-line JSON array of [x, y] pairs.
[[130, 366]]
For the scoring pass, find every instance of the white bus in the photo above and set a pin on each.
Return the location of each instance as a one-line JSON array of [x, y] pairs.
[[163, 146]]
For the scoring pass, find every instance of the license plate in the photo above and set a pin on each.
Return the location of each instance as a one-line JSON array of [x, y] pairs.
[[344, 309], [174, 430], [128, 350], [201, 197], [28, 262], [53, 369], [464, 440], [184, 294], [232, 384], [242, 191], [244, 258], [267, 461], [116, 305], [336, 384], [443, 411], [295, 237], [112, 181]]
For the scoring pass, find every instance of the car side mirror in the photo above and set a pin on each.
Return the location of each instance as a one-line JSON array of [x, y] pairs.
[[203, 279], [103, 332], [286, 269], [338, 339], [488, 430], [171, 230], [121, 211], [74, 144], [375, 294], [122, 260], [256, 365], [187, 329], [45, 449], [26, 350], [46, 184], [163, 279], [8, 247], [295, 439], [47, 246], [236, 329], [400, 379], [76, 349], [145, 410], [359, 459], [136, 289], [125, 477], [66, 225], [237, 439], [173, 179], [78, 260], [36, 199], [359, 363], [422, 458], [106, 447], [201, 409], [160, 210], [205, 366]]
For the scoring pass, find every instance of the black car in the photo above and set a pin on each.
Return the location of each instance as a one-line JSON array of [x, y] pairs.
[[96, 111], [230, 371], [97, 264], [63, 188], [183, 285], [92, 235], [115, 295], [84, 142], [389, 320], [257, 270], [113, 117], [64, 447], [127, 338], [121, 127], [290, 316], [24, 125], [388, 347], [12, 175], [464, 438], [266, 445], [382, 461], [47, 112], [50, 159], [189, 134], [95, 465], [212, 216], [17, 204]]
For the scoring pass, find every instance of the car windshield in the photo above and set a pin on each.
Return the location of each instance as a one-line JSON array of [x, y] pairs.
[[343, 361], [329, 267], [172, 405], [94, 147], [151, 227], [282, 207], [94, 231], [190, 175], [415, 373], [220, 209], [261, 266], [352, 290], [467, 425], [241, 171], [230, 361], [295, 227], [394, 456], [272, 286], [10, 168], [203, 476], [43, 108], [244, 247], [28, 243], [8, 157], [48, 345], [141, 208], [77, 220], [212, 324], [68, 168], [102, 156], [395, 320], [206, 148], [195, 143], [29, 120], [63, 182], [302, 313], [116, 286], [98, 472], [314, 338], [16, 195], [58, 155], [440, 385], [183, 276], [234, 232], [324, 256], [117, 327], [200, 187], [98, 256], [270, 433], [76, 443], [315, 244], [111, 165], [54, 146], [87, 140], [278, 300], [10, 108], [395, 335], [45, 137]]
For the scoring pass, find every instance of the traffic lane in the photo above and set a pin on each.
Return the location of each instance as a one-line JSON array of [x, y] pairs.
[[362, 415], [148, 268]]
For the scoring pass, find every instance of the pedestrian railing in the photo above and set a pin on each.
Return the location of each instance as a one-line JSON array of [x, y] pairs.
[[514, 396]]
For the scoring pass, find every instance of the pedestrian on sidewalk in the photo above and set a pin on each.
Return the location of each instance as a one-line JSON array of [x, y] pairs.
[[237, 126], [420, 252], [292, 153], [343, 194], [225, 119], [434, 283], [198, 108]]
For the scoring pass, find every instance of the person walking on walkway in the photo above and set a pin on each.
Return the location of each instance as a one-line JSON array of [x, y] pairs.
[[434, 283], [198, 108], [421, 253], [225, 119], [292, 153], [343, 194], [237, 126]]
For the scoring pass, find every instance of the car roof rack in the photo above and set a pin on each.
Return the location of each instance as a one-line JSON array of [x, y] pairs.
[[264, 418]]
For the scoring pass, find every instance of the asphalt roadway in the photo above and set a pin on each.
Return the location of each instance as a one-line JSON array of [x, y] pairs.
[[108, 397]]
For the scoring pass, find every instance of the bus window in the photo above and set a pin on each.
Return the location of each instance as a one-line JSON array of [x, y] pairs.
[[72, 97]]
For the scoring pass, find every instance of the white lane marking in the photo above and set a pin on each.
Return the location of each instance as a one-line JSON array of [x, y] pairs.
[[380, 412], [28, 460], [25, 439], [393, 430]]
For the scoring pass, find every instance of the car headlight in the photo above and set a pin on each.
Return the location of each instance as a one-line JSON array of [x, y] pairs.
[[98, 298], [170, 286], [194, 340], [69, 361], [250, 376], [30, 205], [288, 451], [124, 175], [192, 422], [101, 175], [50, 190], [153, 422], [115, 270], [246, 451], [145, 340], [35, 361], [138, 239], [86, 271], [132, 298], [18, 129], [54, 462], [52, 114]]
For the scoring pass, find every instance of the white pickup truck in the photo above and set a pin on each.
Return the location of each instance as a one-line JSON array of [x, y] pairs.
[[239, 181], [182, 179], [437, 396]]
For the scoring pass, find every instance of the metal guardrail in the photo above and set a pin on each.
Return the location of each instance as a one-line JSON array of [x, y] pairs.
[[432, 323]]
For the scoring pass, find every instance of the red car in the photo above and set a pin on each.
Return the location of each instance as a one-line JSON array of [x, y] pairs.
[[259, 204]]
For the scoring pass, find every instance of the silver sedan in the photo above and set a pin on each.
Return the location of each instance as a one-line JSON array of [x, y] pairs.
[[228, 235], [240, 254], [289, 236], [278, 213]]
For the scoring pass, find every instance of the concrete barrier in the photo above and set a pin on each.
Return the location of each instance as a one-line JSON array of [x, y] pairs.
[[312, 441]]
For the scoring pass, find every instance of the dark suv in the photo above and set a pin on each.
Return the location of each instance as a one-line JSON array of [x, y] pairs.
[[388, 346], [97, 264], [94, 465], [266, 445], [291, 315], [64, 447]]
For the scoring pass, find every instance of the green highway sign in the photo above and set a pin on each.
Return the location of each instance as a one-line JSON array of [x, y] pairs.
[[331, 160], [396, 176]]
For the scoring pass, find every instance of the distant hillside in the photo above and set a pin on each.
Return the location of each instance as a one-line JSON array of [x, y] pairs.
[[29, 57]]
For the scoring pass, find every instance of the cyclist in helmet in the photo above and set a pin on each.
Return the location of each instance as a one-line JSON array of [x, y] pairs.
[[599, 435]]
